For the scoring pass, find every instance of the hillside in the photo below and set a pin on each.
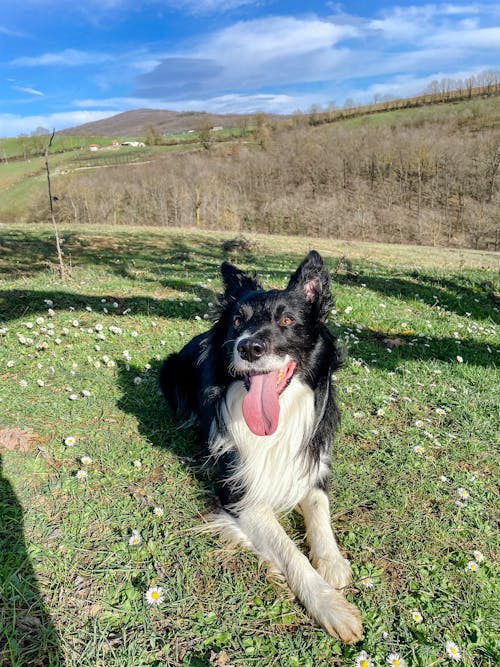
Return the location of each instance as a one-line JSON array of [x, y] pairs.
[[426, 175], [132, 123]]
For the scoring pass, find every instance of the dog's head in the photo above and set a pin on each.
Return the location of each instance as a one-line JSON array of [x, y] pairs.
[[271, 335]]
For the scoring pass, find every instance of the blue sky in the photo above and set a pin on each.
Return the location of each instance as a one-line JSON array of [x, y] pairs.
[[63, 63]]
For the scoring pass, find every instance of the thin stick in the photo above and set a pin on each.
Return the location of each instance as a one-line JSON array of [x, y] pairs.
[[62, 271]]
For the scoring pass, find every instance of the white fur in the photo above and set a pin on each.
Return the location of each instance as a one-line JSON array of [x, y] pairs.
[[272, 469], [258, 529], [276, 474]]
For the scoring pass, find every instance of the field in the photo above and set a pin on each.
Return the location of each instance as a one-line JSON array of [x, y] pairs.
[[413, 487]]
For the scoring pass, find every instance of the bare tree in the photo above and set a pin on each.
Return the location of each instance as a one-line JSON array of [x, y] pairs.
[[62, 270]]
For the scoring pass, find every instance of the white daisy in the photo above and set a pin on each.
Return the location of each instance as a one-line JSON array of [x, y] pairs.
[[479, 556], [472, 566], [395, 661], [158, 511], [364, 660], [367, 582], [70, 441], [417, 616], [154, 596], [135, 539], [81, 474], [86, 460], [453, 651]]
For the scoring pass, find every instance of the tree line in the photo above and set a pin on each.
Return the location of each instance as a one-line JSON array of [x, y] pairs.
[[430, 178]]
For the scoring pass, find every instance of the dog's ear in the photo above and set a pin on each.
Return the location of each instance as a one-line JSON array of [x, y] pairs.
[[313, 280], [236, 281]]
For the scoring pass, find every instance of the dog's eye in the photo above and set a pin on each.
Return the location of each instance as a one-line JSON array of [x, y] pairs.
[[237, 322], [285, 321]]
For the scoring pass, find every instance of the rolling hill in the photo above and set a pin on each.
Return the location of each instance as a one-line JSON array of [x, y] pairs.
[[132, 123]]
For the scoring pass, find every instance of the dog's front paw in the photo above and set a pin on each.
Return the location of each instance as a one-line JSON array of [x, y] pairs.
[[340, 618], [335, 571]]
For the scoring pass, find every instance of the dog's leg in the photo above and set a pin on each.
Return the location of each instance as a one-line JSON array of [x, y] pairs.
[[325, 554], [325, 604]]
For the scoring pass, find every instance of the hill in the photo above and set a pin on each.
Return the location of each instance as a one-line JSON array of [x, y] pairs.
[[424, 175], [132, 123]]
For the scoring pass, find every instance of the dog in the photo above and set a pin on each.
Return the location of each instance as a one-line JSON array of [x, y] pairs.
[[259, 384]]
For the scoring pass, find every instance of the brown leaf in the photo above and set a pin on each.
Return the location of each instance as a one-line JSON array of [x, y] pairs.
[[17, 440], [219, 659]]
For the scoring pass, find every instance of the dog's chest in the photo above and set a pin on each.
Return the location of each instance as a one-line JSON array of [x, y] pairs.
[[271, 469]]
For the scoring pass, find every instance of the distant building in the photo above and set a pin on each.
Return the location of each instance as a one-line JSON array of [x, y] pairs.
[[135, 144], [217, 128], [94, 147]]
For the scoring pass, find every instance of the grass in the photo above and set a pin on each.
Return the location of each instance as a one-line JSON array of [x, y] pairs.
[[421, 327]]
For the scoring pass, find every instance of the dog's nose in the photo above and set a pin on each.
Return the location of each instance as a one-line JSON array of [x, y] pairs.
[[250, 349]]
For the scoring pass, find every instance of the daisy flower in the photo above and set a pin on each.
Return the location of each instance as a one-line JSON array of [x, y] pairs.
[[137, 380], [137, 464], [86, 460], [419, 423], [154, 596], [463, 493], [73, 397], [70, 441], [395, 661], [417, 616], [135, 539], [479, 556], [10, 363], [158, 511], [418, 449], [380, 412], [453, 651], [460, 359], [472, 566], [364, 660], [367, 582], [440, 411], [81, 474], [86, 393]]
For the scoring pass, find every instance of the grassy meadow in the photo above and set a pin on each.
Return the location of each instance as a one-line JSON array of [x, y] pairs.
[[100, 492]]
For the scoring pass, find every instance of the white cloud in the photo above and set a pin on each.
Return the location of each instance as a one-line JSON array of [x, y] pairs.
[[275, 38], [476, 38], [250, 56], [13, 124], [11, 33], [30, 91], [68, 58]]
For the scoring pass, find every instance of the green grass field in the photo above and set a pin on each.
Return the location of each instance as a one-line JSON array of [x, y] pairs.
[[414, 480]]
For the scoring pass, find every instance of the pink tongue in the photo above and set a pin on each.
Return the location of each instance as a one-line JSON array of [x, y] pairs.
[[261, 406]]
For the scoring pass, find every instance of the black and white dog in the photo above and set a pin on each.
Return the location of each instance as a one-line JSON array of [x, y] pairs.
[[259, 383]]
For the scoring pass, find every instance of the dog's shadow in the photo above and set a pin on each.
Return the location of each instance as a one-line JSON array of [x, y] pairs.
[[144, 400]]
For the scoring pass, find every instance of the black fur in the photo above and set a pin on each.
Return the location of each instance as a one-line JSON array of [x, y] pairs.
[[259, 383], [196, 379]]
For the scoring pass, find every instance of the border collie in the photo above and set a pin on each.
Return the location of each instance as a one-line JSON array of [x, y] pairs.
[[259, 384]]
